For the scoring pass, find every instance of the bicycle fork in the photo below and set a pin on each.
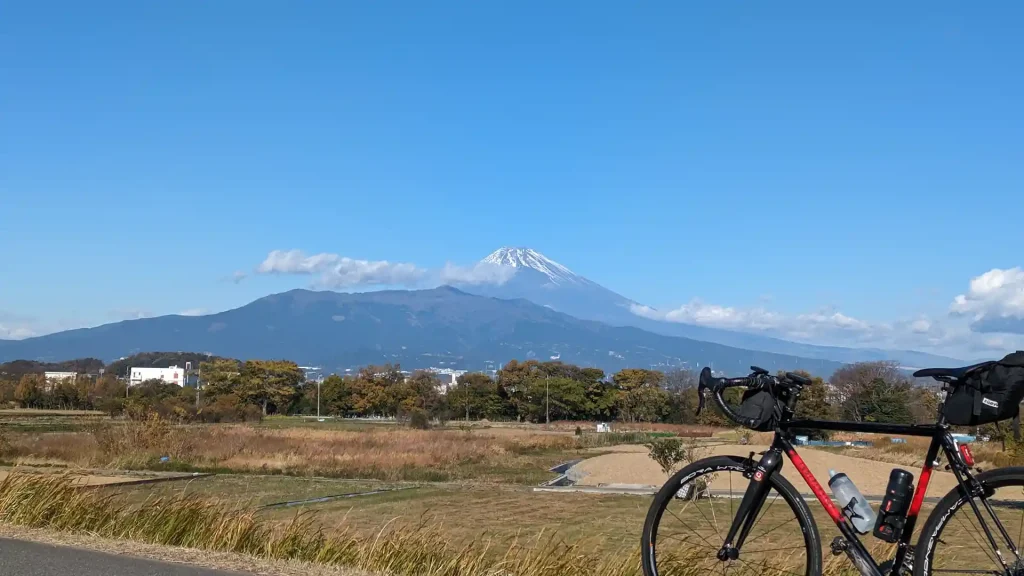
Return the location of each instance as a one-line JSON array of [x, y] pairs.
[[753, 499], [757, 491]]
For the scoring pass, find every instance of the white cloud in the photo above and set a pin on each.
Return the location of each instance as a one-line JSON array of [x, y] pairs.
[[826, 326], [237, 276], [335, 271], [128, 314], [700, 313], [920, 326], [15, 332], [194, 312], [994, 302], [480, 273]]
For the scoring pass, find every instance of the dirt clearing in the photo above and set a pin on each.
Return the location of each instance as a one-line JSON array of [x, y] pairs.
[[632, 465]]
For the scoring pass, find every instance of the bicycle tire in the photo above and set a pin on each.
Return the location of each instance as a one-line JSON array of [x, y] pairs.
[[949, 504], [648, 543]]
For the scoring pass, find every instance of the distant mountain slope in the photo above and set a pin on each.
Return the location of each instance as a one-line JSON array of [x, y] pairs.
[[548, 283], [440, 327]]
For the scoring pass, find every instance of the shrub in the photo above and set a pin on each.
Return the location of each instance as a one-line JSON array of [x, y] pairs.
[[579, 431], [5, 443], [139, 443], [667, 452], [418, 419], [229, 408]]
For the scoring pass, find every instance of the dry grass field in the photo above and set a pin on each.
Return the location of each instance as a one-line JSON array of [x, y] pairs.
[[341, 450], [457, 499]]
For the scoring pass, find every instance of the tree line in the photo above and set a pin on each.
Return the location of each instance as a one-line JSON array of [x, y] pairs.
[[529, 391]]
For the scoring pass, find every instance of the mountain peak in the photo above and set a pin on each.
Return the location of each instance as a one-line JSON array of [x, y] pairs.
[[530, 258]]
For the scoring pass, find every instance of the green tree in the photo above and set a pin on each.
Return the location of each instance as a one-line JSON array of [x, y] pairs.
[[336, 395], [632, 378], [515, 380], [563, 398], [476, 396], [269, 382], [641, 396], [219, 376], [29, 392], [421, 390]]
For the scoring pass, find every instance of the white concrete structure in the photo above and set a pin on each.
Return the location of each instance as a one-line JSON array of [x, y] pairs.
[[59, 376], [448, 376], [172, 375]]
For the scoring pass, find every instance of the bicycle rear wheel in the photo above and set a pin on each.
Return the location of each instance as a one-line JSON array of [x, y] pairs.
[[953, 541], [691, 514]]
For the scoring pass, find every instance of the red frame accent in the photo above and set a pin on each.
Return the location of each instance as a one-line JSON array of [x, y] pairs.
[[819, 492], [922, 486]]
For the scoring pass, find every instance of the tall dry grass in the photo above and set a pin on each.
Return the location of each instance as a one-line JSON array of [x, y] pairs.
[[386, 453], [53, 502]]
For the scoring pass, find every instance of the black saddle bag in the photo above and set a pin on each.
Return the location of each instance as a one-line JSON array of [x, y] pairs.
[[761, 409], [989, 394]]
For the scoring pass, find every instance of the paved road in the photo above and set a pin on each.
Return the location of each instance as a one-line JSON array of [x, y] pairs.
[[32, 559]]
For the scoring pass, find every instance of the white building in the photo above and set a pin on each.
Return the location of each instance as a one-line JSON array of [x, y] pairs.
[[448, 377], [172, 375], [59, 376]]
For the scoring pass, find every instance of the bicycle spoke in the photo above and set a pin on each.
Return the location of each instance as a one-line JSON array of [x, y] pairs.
[[977, 543], [707, 489], [747, 550], [687, 526], [731, 514], [697, 506], [1020, 532], [779, 526], [772, 568], [690, 546], [683, 539]]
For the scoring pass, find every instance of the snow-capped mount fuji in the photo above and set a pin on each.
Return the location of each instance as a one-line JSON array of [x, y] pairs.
[[543, 281], [522, 258]]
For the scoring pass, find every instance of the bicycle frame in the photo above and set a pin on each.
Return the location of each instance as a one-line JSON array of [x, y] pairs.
[[771, 463]]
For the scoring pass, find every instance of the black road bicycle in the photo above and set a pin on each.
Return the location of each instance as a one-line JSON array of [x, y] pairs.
[[739, 515]]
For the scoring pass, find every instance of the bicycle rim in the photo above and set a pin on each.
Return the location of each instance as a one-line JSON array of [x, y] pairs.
[[694, 511]]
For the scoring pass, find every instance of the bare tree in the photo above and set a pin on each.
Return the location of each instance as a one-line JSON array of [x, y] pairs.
[[851, 379], [680, 379]]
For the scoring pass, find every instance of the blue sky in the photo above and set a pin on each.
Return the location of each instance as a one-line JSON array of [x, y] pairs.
[[790, 159]]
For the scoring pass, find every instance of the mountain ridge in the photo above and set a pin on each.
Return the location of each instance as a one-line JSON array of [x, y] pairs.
[[586, 299], [444, 327]]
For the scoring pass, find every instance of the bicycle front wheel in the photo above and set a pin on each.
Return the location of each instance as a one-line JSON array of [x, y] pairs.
[[691, 515]]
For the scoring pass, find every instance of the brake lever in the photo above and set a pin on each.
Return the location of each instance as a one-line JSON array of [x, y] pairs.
[[701, 396]]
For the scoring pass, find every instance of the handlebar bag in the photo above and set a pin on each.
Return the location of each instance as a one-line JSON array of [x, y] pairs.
[[760, 410], [989, 394]]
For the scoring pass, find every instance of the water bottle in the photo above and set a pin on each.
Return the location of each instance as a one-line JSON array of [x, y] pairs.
[[860, 513]]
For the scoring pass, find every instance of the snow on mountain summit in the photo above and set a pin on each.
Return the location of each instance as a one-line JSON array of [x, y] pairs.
[[529, 258]]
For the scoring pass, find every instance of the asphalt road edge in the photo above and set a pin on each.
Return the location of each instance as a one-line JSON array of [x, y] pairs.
[[190, 556]]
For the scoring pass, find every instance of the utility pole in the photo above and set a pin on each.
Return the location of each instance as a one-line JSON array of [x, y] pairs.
[[318, 381], [547, 400]]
